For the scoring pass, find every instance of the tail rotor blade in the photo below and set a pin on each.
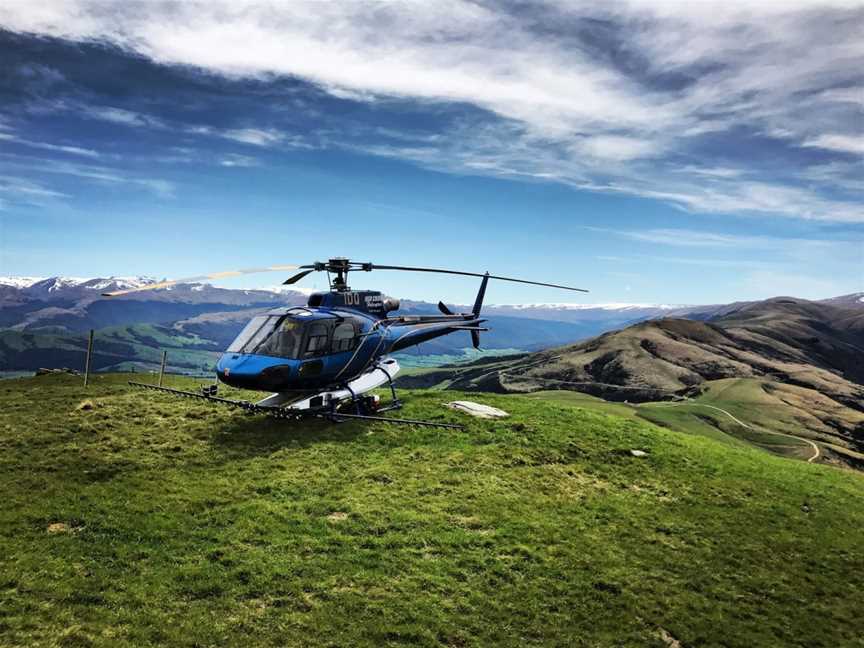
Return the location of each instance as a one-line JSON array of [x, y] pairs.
[[475, 338]]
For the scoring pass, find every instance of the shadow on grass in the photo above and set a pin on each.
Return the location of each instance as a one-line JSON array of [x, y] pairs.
[[257, 435]]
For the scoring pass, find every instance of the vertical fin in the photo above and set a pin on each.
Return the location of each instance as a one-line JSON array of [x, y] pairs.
[[478, 303]]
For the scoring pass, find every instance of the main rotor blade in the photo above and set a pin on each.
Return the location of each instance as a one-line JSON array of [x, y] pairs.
[[212, 275], [297, 277], [375, 266]]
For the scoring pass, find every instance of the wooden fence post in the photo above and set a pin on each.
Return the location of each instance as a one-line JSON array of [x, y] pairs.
[[162, 367], [87, 361]]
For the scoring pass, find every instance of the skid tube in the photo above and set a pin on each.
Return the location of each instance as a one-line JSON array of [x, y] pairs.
[[285, 413]]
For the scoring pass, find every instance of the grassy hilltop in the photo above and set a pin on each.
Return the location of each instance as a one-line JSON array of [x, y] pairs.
[[144, 520]]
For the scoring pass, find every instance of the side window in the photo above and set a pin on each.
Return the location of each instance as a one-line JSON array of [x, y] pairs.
[[316, 340], [344, 338]]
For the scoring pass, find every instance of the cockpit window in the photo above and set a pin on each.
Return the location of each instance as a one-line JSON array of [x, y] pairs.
[[287, 337], [256, 325]]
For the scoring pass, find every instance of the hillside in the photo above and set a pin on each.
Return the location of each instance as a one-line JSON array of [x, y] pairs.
[[807, 356], [150, 521]]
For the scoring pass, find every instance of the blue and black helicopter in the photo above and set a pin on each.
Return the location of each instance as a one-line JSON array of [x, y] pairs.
[[322, 359]]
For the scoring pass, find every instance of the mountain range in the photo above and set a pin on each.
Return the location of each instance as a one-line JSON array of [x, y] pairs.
[[44, 322]]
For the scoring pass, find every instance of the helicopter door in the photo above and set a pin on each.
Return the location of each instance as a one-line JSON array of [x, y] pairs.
[[316, 345]]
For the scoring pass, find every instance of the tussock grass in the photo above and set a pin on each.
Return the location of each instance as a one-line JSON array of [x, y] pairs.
[[200, 526]]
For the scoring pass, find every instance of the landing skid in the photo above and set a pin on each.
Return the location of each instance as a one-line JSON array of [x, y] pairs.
[[328, 405]]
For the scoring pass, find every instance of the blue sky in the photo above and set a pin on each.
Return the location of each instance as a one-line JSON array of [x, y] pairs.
[[650, 151]]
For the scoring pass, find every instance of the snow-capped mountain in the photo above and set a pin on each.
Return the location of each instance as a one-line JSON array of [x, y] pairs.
[[55, 284], [20, 282], [76, 303], [101, 284]]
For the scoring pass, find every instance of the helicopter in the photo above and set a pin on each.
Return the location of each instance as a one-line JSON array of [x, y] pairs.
[[322, 360]]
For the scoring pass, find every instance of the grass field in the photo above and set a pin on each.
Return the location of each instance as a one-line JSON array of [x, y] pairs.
[[140, 520], [775, 417]]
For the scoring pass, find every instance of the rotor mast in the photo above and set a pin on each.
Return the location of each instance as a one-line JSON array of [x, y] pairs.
[[340, 267]]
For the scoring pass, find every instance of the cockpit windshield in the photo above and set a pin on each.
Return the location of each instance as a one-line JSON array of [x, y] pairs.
[[258, 326], [284, 336], [284, 342]]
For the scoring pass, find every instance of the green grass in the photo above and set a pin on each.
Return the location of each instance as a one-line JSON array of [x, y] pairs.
[[771, 424], [192, 525], [684, 417]]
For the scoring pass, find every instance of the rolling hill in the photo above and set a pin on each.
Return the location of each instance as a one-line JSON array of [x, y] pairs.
[[806, 358]]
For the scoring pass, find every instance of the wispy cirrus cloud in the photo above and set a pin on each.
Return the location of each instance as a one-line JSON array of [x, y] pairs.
[[704, 239], [120, 116], [843, 143], [47, 146], [780, 253], [255, 136], [235, 160], [23, 190], [94, 173], [676, 102]]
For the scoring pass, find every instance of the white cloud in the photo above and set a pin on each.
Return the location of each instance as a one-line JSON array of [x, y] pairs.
[[712, 172], [556, 109], [255, 136], [21, 190], [263, 137], [615, 147], [94, 173], [845, 95], [74, 150], [121, 116], [789, 254], [843, 143], [699, 238], [234, 160], [162, 188]]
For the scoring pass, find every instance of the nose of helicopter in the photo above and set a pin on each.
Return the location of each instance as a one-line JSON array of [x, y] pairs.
[[253, 372], [230, 370]]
